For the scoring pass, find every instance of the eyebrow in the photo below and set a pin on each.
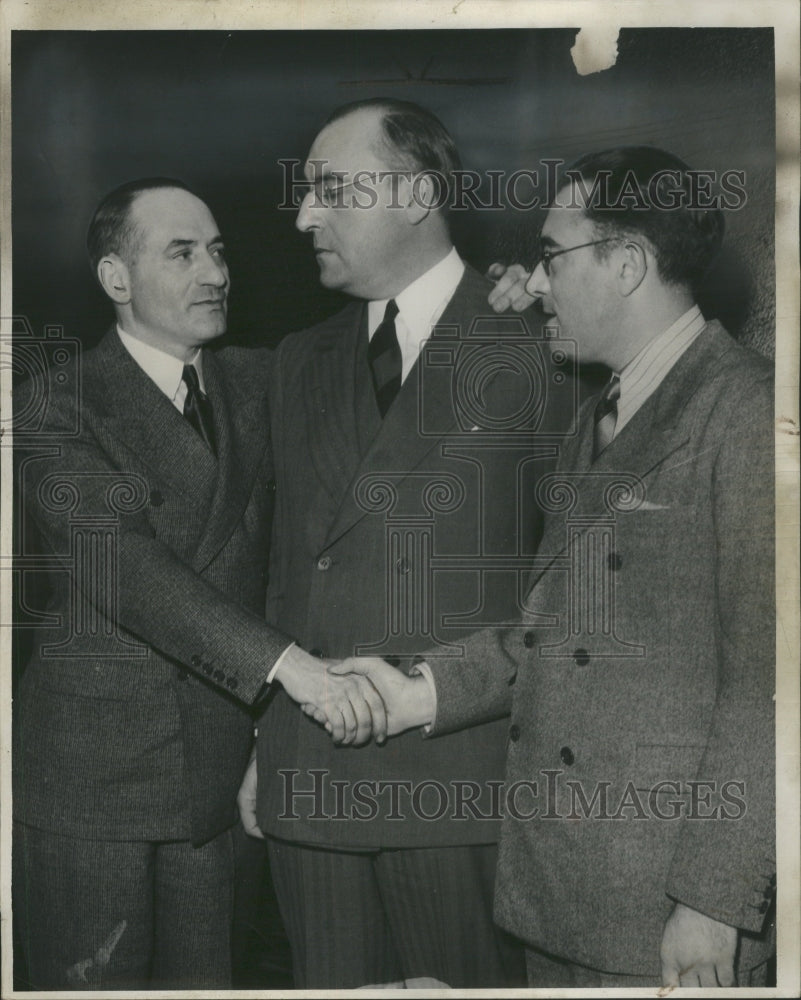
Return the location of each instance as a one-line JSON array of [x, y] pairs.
[[176, 243]]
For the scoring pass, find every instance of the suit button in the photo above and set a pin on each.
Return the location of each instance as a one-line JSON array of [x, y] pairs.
[[183, 675], [195, 661], [567, 756], [156, 498], [270, 487], [528, 640], [514, 733], [582, 657], [207, 669], [232, 683], [403, 566], [324, 563], [219, 675], [614, 561], [316, 652]]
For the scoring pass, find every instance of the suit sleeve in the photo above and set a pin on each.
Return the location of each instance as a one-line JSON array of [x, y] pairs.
[[724, 867], [475, 687], [159, 598]]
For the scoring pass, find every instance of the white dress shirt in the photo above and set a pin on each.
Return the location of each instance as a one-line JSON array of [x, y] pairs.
[[420, 306], [164, 369]]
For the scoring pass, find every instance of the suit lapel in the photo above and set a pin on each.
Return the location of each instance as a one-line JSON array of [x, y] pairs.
[[329, 395], [662, 426], [241, 426], [418, 420], [140, 416], [664, 423]]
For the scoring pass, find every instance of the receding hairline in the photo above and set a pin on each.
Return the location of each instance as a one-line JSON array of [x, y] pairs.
[[378, 143]]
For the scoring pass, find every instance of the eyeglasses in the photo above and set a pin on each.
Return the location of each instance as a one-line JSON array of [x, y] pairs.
[[326, 190], [546, 256]]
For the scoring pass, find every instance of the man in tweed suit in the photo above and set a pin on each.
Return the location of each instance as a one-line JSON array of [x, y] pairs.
[[639, 846], [132, 728]]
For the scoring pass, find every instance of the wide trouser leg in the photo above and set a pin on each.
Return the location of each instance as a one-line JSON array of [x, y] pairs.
[[385, 916], [438, 902], [120, 914], [83, 910], [193, 914], [334, 917]]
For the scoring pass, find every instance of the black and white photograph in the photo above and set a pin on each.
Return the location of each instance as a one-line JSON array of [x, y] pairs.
[[400, 498]]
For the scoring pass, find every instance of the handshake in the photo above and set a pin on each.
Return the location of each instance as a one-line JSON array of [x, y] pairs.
[[356, 699]]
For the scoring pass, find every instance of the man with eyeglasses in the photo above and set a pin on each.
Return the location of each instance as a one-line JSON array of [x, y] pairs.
[[378, 476], [639, 847]]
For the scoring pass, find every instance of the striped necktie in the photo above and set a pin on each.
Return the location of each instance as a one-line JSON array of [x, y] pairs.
[[606, 416], [384, 356]]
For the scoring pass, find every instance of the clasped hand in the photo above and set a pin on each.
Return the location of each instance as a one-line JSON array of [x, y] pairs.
[[360, 697], [347, 704]]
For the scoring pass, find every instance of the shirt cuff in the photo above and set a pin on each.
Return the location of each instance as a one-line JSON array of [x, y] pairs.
[[278, 662], [423, 669]]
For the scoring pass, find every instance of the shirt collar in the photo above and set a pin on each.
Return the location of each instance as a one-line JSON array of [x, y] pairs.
[[422, 302], [164, 369], [679, 335]]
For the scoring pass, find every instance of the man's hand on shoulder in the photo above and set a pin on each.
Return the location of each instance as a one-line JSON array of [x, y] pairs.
[[697, 950], [510, 288]]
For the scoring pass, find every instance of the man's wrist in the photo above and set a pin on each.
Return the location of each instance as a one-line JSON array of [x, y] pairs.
[[426, 701], [276, 666]]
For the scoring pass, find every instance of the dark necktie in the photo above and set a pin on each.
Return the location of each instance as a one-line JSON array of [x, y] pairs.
[[197, 407], [386, 363], [606, 416]]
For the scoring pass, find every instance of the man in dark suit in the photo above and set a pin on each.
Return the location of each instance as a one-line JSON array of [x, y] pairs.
[[639, 844], [402, 430], [132, 728]]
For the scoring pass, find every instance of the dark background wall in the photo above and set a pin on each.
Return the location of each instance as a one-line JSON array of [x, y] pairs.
[[219, 109]]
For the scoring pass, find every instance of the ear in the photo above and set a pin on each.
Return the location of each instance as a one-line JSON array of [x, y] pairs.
[[424, 196], [113, 275], [633, 268]]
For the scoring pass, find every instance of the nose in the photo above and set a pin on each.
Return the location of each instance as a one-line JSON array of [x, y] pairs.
[[214, 271], [308, 218], [538, 283]]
